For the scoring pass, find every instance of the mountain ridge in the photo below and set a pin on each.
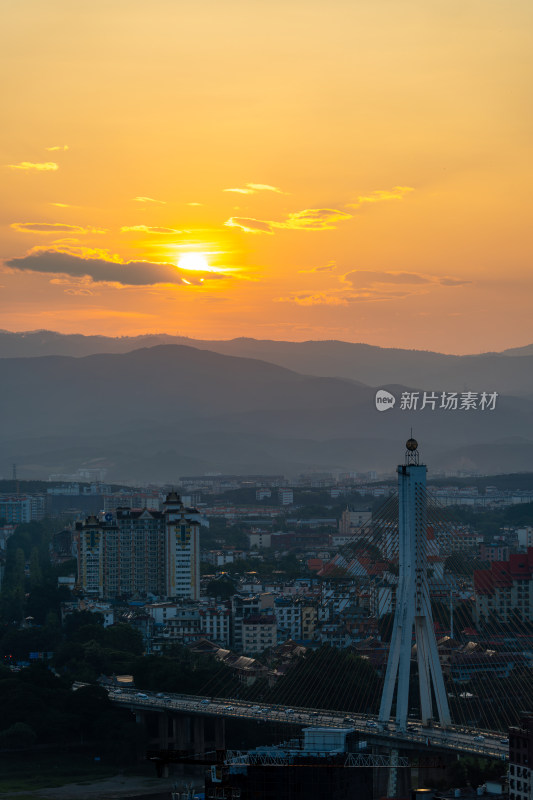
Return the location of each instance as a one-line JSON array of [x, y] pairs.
[[158, 410], [369, 364]]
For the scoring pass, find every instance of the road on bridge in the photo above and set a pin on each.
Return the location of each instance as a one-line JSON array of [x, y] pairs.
[[490, 744]]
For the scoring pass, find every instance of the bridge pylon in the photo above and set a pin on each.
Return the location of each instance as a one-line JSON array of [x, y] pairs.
[[413, 606]]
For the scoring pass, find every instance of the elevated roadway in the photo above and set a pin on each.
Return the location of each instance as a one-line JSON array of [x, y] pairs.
[[461, 740]]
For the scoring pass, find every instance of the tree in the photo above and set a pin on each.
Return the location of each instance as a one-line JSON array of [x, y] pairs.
[[125, 638], [18, 736], [329, 678], [36, 574], [221, 587], [80, 618]]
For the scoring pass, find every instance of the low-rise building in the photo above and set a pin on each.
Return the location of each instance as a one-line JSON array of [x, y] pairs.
[[215, 623], [259, 633], [17, 509], [493, 551], [505, 591]]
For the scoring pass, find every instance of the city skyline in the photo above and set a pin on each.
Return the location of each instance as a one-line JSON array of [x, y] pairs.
[[279, 172]]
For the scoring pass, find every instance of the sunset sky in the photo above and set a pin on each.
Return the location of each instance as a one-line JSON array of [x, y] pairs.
[[357, 170]]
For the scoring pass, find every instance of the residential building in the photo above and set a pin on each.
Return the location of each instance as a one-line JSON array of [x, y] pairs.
[[125, 499], [161, 613], [521, 759], [259, 539], [5, 532], [352, 519], [215, 624], [17, 509], [505, 591], [286, 497], [244, 607], [259, 633], [183, 628], [138, 553], [296, 618], [524, 537], [382, 599], [182, 549], [493, 551]]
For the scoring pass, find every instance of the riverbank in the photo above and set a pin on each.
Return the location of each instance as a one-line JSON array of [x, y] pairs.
[[117, 787]]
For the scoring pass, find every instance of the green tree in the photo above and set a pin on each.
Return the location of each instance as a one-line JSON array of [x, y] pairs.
[[125, 638], [17, 736], [36, 574], [221, 587]]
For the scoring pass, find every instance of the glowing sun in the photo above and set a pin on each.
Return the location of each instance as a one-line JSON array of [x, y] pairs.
[[195, 262]]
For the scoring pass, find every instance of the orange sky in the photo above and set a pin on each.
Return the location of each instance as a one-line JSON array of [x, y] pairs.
[[358, 170]]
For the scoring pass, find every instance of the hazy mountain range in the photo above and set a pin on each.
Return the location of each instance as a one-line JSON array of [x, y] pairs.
[[368, 364], [155, 413]]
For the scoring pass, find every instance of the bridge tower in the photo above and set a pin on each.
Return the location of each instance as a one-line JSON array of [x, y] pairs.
[[413, 607]]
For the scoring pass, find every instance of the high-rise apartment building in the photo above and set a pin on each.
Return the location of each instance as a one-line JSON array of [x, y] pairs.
[[182, 549], [521, 759], [135, 553]]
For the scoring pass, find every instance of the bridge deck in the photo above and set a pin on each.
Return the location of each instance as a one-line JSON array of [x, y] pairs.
[[491, 744]]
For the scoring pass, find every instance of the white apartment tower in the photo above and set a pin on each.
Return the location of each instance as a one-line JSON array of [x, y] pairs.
[[182, 550]]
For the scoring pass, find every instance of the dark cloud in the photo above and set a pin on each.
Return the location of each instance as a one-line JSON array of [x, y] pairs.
[[132, 273]]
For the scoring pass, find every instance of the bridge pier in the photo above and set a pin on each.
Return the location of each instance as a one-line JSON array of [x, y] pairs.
[[182, 736], [198, 735], [392, 783], [184, 732]]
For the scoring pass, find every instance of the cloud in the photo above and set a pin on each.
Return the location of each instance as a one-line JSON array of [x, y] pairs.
[[52, 227], [370, 286], [264, 187], [316, 299], [368, 278], [342, 298], [149, 200], [74, 248], [61, 205], [253, 188], [314, 219], [452, 282], [362, 278], [329, 267], [310, 219], [249, 225], [57, 147], [195, 204], [99, 270], [382, 195], [147, 229], [30, 166]]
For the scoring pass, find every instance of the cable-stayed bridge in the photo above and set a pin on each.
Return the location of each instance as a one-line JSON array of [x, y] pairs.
[[399, 535], [489, 744]]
